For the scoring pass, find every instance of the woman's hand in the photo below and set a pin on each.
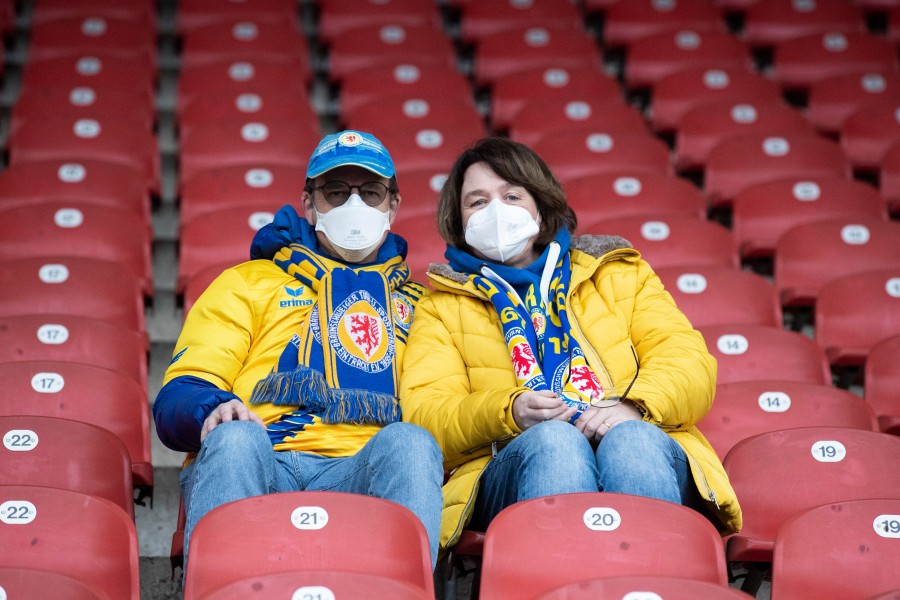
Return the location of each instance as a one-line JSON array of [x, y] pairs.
[[233, 410], [531, 408], [594, 423]]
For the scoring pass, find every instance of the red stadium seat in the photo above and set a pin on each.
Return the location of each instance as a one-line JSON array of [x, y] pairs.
[[83, 102], [275, 533], [889, 178], [548, 117], [75, 535], [536, 47], [416, 110], [420, 190], [482, 20], [337, 17], [705, 126], [232, 77], [85, 393], [763, 212], [626, 22], [644, 586], [87, 287], [237, 39], [653, 57], [832, 99], [426, 245], [800, 62], [753, 352], [511, 93], [839, 550], [528, 547], [97, 69], [193, 14], [327, 584], [671, 240], [413, 147], [574, 153], [867, 134], [804, 467], [674, 95], [269, 104], [77, 339], [65, 454], [808, 256], [19, 582], [722, 295], [83, 34], [142, 11], [743, 409], [626, 193], [855, 312], [770, 22], [741, 161], [882, 380]]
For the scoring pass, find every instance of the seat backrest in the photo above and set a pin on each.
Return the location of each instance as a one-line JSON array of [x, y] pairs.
[[882, 380], [318, 584], [841, 550], [307, 532], [84, 537], [545, 117], [533, 546], [781, 473], [17, 582], [641, 587]]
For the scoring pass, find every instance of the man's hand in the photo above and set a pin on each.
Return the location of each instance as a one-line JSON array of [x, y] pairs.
[[531, 408], [594, 423], [233, 410]]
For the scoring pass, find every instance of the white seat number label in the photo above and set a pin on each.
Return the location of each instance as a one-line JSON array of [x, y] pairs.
[[17, 512], [309, 517], [828, 451], [887, 526], [602, 518], [313, 592], [20, 440]]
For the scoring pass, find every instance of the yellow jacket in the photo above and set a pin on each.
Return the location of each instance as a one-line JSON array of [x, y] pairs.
[[457, 379]]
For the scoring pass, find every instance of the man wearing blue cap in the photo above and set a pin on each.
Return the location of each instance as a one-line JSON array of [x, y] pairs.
[[285, 374]]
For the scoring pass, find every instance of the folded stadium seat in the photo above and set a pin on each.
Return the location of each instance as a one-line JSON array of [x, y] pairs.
[[626, 22], [763, 212], [799, 62], [238, 39], [738, 162], [674, 95], [575, 153], [228, 142], [808, 256], [194, 14], [19, 582], [839, 550], [85, 181], [528, 547], [143, 11], [644, 586], [511, 93], [127, 142], [324, 584], [722, 295], [855, 312], [481, 20], [527, 48], [833, 99], [53, 228], [768, 23], [65, 454], [74, 338], [84, 34], [889, 178], [232, 77], [415, 110], [653, 57], [867, 134], [704, 126], [388, 43], [413, 147], [743, 409], [882, 380], [409, 76], [337, 17], [748, 352], [201, 243], [671, 240], [252, 103], [83, 537], [626, 193], [96, 69], [274, 533], [85, 393], [83, 103], [548, 117], [426, 245], [210, 190], [804, 467], [87, 287], [420, 191]]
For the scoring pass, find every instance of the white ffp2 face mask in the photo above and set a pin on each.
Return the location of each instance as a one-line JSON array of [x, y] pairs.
[[353, 228], [500, 231]]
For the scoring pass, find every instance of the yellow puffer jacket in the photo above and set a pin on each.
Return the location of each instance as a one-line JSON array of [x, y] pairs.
[[457, 379]]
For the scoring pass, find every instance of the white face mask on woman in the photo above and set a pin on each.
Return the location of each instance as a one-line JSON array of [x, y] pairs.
[[353, 228], [500, 231]]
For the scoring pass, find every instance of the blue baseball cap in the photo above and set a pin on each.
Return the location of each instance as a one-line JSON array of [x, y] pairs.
[[350, 148]]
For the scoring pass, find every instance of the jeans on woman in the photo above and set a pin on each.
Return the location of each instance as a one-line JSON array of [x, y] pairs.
[[401, 463], [553, 457]]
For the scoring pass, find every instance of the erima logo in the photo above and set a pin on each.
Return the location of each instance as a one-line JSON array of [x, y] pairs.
[[294, 292]]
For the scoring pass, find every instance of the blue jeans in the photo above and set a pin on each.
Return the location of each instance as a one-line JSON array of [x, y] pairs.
[[551, 458], [401, 463]]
